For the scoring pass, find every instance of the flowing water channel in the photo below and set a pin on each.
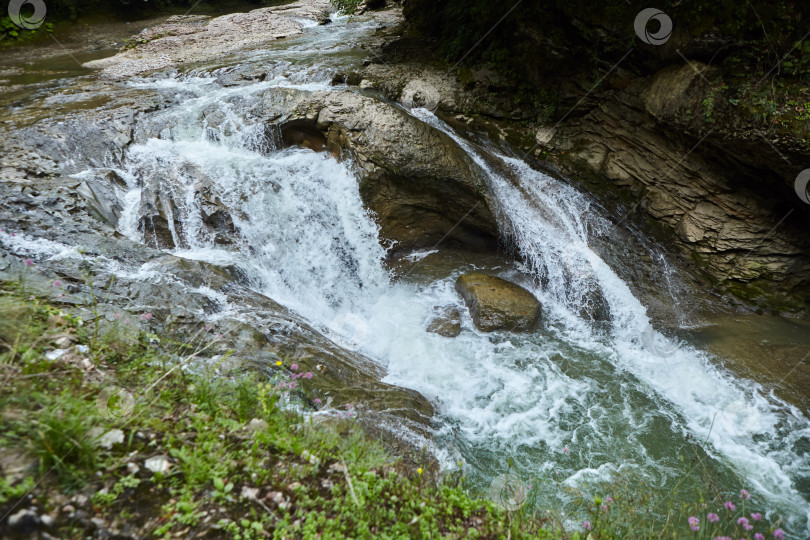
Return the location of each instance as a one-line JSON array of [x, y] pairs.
[[577, 404]]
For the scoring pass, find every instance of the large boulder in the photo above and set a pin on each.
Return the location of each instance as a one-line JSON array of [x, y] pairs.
[[497, 304], [420, 184]]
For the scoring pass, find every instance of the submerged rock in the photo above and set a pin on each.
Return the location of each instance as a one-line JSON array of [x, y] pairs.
[[497, 304], [447, 323]]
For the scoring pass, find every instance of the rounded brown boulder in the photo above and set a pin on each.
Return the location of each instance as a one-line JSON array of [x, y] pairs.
[[497, 304]]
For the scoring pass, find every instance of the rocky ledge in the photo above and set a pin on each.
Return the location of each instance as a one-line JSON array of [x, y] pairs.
[[184, 40]]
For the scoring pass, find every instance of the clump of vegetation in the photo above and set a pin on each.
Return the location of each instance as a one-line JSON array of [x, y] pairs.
[[10, 33], [347, 6]]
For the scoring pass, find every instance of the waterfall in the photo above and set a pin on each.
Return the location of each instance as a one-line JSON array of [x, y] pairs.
[[593, 393]]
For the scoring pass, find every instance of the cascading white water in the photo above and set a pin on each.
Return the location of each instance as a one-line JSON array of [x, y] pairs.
[[306, 241]]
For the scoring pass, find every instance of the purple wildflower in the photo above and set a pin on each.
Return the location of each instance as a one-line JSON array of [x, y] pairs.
[[712, 517], [146, 316], [292, 385], [308, 375], [694, 523], [57, 283], [28, 262], [609, 499], [779, 534], [294, 367], [318, 401], [586, 525], [730, 506], [117, 316], [756, 516], [759, 536], [744, 494], [604, 507]]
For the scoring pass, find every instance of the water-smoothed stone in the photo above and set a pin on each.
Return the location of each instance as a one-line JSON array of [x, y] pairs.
[[420, 184], [497, 304], [447, 323]]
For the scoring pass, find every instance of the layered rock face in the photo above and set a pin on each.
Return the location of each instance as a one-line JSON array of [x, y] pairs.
[[722, 190], [697, 140], [497, 304]]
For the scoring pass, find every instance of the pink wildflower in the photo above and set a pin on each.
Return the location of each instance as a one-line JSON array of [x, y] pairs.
[[609, 499], [308, 375], [318, 401], [779, 534], [730, 506], [565, 450], [57, 283], [744, 522], [759, 536], [694, 523], [28, 262], [712, 517], [604, 507], [756, 516], [146, 316], [292, 385], [586, 525], [117, 316], [294, 367], [744, 494]]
